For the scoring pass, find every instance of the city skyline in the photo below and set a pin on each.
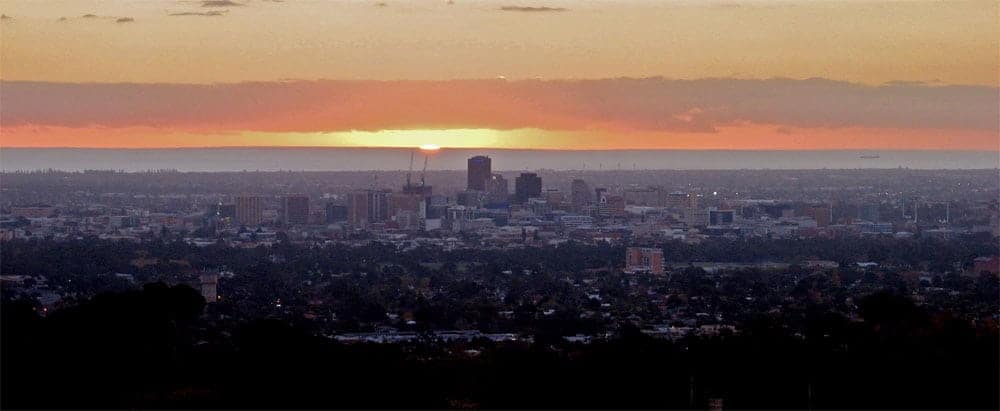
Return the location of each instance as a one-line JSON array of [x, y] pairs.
[[499, 204]]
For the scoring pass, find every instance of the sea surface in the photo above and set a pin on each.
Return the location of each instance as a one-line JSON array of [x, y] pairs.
[[344, 159]]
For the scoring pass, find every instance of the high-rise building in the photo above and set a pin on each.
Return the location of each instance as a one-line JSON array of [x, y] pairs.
[[368, 207], [357, 208], [527, 185], [480, 169], [580, 194], [497, 189], [405, 203], [642, 259], [295, 209], [249, 211]]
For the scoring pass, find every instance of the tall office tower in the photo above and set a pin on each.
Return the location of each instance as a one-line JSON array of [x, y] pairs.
[[248, 210], [368, 206], [480, 170], [527, 185], [405, 203], [580, 194], [295, 209], [497, 189], [357, 208]]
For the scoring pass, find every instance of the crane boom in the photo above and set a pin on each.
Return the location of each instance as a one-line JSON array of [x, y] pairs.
[[424, 171], [410, 170]]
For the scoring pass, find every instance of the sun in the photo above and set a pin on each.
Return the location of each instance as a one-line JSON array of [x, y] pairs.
[[430, 147]]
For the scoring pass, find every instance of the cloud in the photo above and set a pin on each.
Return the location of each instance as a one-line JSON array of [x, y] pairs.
[[220, 3], [617, 105], [541, 9], [211, 13], [91, 16]]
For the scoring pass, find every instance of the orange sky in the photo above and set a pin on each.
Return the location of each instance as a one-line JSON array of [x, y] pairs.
[[749, 137], [718, 74]]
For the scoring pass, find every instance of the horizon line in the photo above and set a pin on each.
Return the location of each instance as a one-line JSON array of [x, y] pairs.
[[545, 149], [927, 83]]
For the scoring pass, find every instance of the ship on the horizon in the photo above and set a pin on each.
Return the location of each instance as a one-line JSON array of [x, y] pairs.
[[869, 156]]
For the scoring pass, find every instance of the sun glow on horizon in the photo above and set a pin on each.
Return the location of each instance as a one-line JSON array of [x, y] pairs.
[[742, 137], [442, 138]]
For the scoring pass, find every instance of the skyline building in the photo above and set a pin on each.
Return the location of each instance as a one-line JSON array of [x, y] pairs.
[[527, 185], [295, 209], [248, 210], [368, 207], [580, 194], [497, 189], [480, 168]]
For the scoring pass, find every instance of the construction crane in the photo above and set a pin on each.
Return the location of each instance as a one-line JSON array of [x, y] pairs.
[[424, 171], [410, 170]]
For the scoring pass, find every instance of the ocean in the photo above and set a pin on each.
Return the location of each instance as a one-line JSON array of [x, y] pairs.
[[345, 159]]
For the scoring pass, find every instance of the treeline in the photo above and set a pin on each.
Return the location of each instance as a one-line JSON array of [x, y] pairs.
[[92, 256], [151, 349]]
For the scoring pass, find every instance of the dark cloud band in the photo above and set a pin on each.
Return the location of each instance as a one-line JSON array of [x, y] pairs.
[[652, 104]]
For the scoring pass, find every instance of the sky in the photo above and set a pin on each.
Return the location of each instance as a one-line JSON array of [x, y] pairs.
[[553, 74]]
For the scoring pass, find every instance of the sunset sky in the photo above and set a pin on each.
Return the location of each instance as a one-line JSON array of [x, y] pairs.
[[512, 74]]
